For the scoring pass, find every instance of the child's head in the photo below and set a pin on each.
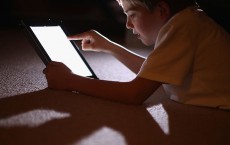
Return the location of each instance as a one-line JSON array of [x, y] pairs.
[[146, 17], [175, 5]]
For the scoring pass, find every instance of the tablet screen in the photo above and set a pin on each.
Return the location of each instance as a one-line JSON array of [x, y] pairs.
[[59, 48]]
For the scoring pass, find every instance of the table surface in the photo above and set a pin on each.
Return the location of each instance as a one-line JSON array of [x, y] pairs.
[[32, 114]]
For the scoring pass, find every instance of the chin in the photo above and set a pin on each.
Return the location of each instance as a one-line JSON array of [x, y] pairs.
[[147, 43]]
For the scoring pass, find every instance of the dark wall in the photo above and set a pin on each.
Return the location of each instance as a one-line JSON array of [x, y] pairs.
[[6, 16], [219, 10], [94, 13], [77, 14]]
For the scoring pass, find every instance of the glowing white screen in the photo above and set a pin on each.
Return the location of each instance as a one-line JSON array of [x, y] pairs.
[[59, 48]]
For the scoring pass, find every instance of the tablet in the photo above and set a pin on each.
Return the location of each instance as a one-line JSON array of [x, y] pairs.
[[51, 43]]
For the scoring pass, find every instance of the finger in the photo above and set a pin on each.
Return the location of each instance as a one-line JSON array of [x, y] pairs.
[[45, 71], [81, 36], [75, 37], [54, 63], [86, 41], [87, 45]]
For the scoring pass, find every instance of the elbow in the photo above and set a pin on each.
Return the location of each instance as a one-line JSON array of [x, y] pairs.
[[137, 99], [137, 103]]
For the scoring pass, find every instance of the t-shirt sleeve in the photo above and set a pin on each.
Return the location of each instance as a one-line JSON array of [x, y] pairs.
[[172, 56]]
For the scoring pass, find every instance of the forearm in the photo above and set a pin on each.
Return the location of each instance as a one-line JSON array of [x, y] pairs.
[[130, 59], [124, 92], [59, 76], [94, 41]]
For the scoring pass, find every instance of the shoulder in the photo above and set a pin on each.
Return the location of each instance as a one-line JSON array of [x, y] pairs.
[[188, 17], [192, 23]]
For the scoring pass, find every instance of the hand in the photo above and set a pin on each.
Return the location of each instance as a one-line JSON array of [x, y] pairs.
[[92, 41], [58, 75]]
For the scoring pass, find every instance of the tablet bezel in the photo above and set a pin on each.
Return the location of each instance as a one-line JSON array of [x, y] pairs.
[[39, 48]]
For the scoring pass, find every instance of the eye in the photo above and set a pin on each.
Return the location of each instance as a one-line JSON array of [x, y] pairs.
[[131, 15]]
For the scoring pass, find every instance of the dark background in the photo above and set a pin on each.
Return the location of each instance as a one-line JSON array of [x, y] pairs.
[[81, 15], [219, 10], [105, 16]]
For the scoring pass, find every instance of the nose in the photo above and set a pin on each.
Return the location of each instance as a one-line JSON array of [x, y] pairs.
[[129, 24]]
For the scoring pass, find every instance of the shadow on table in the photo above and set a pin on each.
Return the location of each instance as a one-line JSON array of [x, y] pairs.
[[61, 118]]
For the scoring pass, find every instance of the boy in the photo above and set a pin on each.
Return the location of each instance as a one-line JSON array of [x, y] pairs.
[[191, 57]]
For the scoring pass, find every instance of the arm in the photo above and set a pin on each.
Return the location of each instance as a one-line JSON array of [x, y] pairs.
[[94, 41], [133, 92], [130, 59]]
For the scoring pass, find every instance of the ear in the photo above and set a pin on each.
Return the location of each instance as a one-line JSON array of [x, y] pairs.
[[164, 10]]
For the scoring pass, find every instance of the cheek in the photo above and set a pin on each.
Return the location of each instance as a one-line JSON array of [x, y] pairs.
[[148, 31], [146, 26], [152, 28]]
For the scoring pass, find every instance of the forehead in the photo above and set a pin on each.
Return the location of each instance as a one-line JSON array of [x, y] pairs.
[[126, 5]]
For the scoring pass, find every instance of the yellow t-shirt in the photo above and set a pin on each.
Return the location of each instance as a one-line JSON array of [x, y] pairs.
[[192, 59]]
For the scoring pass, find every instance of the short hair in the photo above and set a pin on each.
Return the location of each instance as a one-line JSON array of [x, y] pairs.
[[175, 5]]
